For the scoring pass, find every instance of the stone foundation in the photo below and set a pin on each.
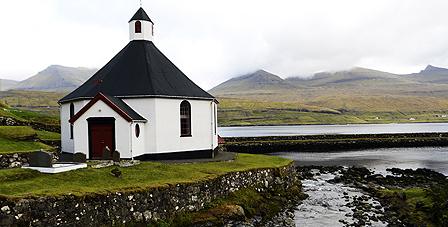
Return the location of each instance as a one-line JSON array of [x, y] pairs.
[[143, 206]]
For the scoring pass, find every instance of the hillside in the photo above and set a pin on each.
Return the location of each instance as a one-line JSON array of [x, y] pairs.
[[56, 78], [358, 95], [252, 82]]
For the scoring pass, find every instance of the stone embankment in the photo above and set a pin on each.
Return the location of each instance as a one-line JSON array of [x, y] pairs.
[[7, 121], [270, 144], [138, 206]]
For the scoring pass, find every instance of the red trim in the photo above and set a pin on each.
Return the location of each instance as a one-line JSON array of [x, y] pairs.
[[102, 97]]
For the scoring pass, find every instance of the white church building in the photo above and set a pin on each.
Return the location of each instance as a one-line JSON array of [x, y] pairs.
[[141, 105]]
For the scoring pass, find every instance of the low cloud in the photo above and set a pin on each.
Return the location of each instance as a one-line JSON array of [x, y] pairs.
[[212, 41]]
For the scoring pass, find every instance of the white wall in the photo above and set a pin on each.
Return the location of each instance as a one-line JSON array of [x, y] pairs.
[[122, 130], [146, 33], [147, 140], [161, 132], [168, 126], [67, 144]]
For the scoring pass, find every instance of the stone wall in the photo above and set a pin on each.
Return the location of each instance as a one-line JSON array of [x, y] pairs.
[[13, 160], [143, 206], [17, 160], [7, 121], [271, 144]]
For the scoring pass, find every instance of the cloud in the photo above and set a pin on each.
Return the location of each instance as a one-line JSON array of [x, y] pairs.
[[212, 41]]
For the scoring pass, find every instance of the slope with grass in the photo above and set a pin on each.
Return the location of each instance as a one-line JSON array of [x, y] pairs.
[[23, 139], [24, 183], [358, 95]]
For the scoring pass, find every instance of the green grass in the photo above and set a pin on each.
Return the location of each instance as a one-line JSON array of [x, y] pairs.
[[8, 146], [22, 182], [17, 132], [45, 135], [414, 205], [20, 139], [238, 112]]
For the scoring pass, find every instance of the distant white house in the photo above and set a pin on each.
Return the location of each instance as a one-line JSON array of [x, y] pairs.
[[140, 104]]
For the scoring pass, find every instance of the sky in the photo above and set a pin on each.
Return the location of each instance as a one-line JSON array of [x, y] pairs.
[[214, 40]]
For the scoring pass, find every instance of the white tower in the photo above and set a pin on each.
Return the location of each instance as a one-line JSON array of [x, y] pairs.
[[141, 27]]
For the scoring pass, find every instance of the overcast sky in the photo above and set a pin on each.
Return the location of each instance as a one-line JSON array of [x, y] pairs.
[[213, 40]]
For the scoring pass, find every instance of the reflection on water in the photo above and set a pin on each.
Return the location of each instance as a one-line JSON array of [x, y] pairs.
[[435, 158], [251, 131]]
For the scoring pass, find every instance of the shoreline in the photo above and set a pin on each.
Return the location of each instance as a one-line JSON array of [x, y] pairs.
[[311, 124], [341, 142]]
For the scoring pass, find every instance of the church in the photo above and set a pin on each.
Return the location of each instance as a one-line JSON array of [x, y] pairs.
[[141, 105]]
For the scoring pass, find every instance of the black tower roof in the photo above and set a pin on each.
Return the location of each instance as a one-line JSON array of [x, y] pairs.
[[141, 15], [139, 70]]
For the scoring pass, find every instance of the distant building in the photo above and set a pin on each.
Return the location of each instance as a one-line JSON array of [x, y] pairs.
[[140, 104]]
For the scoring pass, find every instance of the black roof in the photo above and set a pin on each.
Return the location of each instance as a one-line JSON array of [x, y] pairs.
[[141, 15], [125, 108], [139, 70]]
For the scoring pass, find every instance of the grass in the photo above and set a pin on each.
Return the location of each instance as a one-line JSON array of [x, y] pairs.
[[20, 139], [8, 146], [24, 183], [239, 112], [419, 206]]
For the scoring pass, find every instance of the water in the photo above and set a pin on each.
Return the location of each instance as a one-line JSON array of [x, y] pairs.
[[251, 131], [327, 203], [378, 160]]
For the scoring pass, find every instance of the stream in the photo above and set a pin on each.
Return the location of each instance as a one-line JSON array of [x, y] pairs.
[[336, 204]]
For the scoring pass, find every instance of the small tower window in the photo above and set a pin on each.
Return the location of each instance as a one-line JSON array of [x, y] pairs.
[[72, 113], [185, 119], [138, 27]]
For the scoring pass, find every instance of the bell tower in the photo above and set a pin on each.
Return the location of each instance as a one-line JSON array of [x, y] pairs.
[[141, 27]]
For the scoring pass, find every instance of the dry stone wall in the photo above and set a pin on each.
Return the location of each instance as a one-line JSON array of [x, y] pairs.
[[144, 206]]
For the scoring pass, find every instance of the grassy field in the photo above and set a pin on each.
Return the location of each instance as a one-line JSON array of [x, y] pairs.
[[19, 139], [22, 182], [238, 112]]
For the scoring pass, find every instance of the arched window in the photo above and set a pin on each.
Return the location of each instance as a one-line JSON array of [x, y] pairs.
[[138, 27], [185, 118], [72, 113], [137, 130]]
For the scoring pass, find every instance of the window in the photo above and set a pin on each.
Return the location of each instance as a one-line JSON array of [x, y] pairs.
[[137, 130], [138, 27], [72, 113], [185, 119]]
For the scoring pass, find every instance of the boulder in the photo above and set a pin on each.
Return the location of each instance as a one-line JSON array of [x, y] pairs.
[[40, 159], [79, 157], [107, 153], [116, 156]]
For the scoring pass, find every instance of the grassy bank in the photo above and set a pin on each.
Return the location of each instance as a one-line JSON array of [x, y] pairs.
[[19, 139], [236, 112], [419, 206], [22, 182]]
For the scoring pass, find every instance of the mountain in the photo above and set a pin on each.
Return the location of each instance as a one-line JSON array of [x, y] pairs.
[[431, 74], [252, 82], [56, 78], [7, 84], [357, 89], [353, 77]]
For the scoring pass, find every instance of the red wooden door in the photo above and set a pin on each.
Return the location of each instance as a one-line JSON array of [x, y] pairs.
[[102, 136]]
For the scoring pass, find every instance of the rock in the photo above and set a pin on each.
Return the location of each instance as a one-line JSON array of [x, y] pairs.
[[106, 153], [116, 156], [79, 157]]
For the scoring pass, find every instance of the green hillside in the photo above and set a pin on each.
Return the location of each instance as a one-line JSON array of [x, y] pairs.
[[358, 95]]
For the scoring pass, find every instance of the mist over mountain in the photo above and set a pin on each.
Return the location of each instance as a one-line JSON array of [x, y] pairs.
[[7, 84]]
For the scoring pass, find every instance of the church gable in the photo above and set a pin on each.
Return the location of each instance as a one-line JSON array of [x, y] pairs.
[[115, 104]]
